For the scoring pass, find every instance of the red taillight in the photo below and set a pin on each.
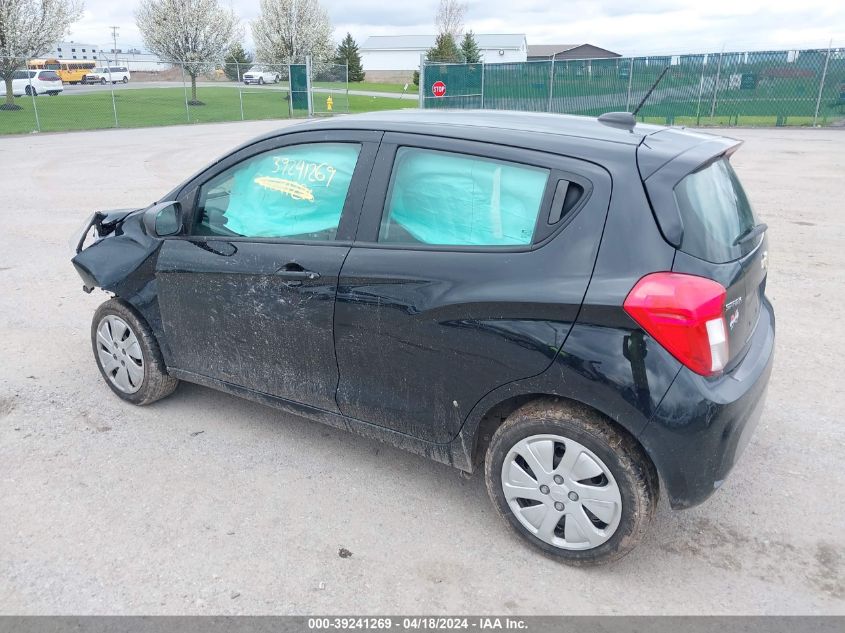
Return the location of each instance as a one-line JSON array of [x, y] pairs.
[[685, 314]]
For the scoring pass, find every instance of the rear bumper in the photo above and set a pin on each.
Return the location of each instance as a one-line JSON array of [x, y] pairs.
[[702, 426]]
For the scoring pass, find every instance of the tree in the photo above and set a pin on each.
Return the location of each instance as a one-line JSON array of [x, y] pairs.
[[28, 28], [450, 17], [195, 33], [288, 30], [469, 49], [445, 51], [347, 53], [237, 62]]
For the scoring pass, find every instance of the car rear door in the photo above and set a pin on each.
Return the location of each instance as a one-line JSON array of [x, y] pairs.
[[469, 267], [247, 296]]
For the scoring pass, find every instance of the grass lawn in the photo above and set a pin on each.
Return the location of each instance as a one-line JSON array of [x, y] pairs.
[[365, 86], [150, 107], [368, 86]]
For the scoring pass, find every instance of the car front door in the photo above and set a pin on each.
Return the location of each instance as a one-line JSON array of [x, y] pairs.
[[247, 296], [469, 267]]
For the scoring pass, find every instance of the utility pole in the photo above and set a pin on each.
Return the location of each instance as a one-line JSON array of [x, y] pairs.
[[114, 30]]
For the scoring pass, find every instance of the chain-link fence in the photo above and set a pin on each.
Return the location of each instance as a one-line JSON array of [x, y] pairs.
[[58, 95], [789, 87], [330, 89]]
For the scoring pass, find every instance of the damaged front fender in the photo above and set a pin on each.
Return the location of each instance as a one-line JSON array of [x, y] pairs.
[[121, 247]]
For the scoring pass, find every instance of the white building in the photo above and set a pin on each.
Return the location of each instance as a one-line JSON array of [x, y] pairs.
[[75, 50], [394, 57], [133, 58]]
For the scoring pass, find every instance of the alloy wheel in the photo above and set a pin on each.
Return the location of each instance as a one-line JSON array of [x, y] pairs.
[[561, 492], [120, 354]]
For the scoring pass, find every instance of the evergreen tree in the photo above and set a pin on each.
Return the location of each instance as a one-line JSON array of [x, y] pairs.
[[445, 51], [347, 53], [238, 61], [469, 49]]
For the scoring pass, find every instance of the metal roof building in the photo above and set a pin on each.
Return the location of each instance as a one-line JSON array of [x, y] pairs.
[[381, 53], [538, 52]]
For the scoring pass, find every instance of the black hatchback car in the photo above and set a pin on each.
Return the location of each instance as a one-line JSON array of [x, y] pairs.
[[576, 304]]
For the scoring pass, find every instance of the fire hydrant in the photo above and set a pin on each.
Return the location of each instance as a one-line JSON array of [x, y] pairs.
[[329, 103]]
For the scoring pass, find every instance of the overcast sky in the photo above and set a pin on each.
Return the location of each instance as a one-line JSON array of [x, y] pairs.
[[629, 27]]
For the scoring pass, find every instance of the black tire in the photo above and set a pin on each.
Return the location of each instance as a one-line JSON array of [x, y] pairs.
[[103, 81], [125, 80], [156, 383], [632, 470], [31, 91], [261, 81], [53, 93]]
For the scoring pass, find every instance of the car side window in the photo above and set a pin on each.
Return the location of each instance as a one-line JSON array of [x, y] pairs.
[[293, 192], [448, 199]]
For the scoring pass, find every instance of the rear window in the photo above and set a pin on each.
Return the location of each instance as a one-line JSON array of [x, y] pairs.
[[715, 212], [49, 74]]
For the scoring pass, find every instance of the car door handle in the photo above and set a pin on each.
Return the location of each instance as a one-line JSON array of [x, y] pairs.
[[295, 271]]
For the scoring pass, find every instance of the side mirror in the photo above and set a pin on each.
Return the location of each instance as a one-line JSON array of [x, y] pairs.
[[163, 219]]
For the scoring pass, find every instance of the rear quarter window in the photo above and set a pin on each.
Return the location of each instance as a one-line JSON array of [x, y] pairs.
[[715, 213]]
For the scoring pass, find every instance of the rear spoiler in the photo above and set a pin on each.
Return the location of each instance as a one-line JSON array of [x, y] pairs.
[[662, 167]]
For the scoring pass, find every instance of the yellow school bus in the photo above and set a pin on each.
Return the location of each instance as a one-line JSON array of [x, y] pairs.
[[70, 70]]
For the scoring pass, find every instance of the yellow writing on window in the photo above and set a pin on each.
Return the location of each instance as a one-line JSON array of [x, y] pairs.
[[291, 188], [305, 170]]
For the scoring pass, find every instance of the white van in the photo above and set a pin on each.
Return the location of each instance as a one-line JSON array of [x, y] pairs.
[[105, 74], [36, 82]]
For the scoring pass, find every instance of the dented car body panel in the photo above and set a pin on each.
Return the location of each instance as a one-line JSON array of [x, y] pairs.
[[425, 346]]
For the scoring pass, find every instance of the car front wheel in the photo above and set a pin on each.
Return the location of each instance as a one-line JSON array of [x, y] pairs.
[[125, 80], [571, 484], [261, 81], [103, 81], [128, 355]]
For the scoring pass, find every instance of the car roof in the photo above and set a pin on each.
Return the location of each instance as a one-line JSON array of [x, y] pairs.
[[479, 123]]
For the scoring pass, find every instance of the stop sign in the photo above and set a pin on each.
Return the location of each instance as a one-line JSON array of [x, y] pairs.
[[438, 89]]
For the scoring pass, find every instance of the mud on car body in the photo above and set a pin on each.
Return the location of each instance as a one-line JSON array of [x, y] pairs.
[[578, 305]]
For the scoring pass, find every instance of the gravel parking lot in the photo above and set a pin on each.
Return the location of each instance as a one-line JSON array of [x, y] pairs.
[[205, 503]]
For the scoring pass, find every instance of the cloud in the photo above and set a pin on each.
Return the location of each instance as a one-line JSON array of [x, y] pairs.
[[626, 26]]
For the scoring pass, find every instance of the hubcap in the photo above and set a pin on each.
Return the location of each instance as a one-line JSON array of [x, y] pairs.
[[561, 492], [120, 354]]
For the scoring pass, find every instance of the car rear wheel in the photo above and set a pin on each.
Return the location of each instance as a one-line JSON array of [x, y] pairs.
[[31, 91], [128, 355], [571, 484], [261, 81]]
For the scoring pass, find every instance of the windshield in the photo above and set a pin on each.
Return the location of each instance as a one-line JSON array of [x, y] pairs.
[[715, 212]]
